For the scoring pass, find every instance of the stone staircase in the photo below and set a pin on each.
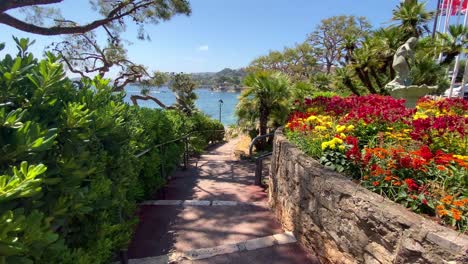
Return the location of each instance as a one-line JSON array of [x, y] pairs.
[[212, 213]]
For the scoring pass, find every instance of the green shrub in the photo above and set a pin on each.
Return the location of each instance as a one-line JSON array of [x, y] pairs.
[[69, 178]]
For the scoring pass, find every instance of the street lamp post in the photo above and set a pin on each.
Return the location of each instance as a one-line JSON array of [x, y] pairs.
[[220, 101]]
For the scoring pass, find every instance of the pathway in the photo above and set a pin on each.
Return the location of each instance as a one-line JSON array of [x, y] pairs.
[[212, 213]]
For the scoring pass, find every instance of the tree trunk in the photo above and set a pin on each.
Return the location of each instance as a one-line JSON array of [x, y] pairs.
[[377, 80], [135, 99], [364, 77], [263, 125], [349, 83], [329, 65]]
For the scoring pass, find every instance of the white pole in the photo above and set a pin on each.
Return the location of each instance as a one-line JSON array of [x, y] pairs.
[[448, 14], [464, 80], [459, 11], [440, 17], [465, 76], [457, 61]]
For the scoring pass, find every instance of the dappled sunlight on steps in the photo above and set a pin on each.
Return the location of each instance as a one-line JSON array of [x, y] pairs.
[[212, 213]]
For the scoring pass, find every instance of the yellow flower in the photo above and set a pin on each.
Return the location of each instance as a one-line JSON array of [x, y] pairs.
[[320, 128], [419, 116], [464, 158], [350, 127], [341, 147], [340, 128], [311, 118], [337, 141], [325, 145]]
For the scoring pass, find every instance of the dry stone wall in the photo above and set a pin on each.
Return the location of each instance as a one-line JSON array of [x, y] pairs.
[[341, 222]]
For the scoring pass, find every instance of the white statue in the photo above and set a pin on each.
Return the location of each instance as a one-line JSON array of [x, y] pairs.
[[401, 62]]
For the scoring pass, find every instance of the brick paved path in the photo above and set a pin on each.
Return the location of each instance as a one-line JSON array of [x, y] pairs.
[[212, 213]]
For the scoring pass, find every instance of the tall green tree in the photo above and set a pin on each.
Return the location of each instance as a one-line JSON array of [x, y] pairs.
[[266, 96], [184, 88], [412, 18], [298, 62], [331, 38], [81, 51], [43, 18]]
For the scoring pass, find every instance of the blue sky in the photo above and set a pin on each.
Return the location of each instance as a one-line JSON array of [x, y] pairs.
[[224, 33]]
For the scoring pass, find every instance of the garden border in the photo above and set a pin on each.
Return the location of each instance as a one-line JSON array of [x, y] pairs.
[[342, 222]]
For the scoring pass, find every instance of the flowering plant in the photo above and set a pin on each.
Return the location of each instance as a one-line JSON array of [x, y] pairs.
[[416, 157]]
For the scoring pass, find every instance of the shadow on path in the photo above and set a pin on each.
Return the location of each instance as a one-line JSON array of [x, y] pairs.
[[164, 229]]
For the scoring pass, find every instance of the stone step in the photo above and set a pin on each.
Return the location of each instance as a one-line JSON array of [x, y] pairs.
[[277, 254], [203, 203], [164, 229], [213, 157], [207, 253], [213, 182]]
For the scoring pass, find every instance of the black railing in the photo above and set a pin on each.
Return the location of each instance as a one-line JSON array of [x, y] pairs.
[[259, 160]]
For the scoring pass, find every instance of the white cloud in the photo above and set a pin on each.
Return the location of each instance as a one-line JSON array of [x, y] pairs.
[[203, 48]]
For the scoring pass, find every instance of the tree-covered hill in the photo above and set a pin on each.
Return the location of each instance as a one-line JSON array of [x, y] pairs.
[[226, 78]]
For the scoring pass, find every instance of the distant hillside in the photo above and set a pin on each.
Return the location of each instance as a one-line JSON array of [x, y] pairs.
[[225, 78]]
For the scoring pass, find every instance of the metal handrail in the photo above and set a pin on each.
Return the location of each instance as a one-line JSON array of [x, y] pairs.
[[257, 139], [259, 160], [259, 167], [174, 140]]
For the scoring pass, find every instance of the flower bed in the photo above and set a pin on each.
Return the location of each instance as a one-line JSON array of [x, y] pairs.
[[416, 157]]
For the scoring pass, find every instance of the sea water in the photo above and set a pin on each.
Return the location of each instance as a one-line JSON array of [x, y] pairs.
[[207, 102]]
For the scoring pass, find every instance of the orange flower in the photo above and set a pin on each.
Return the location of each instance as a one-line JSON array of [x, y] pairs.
[[388, 178], [456, 214], [365, 177], [458, 203], [440, 207], [377, 171], [441, 168], [396, 183], [376, 183], [442, 212], [447, 199]]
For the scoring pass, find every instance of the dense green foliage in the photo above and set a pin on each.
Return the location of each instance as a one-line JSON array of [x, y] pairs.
[[183, 87], [69, 175], [265, 100], [356, 59]]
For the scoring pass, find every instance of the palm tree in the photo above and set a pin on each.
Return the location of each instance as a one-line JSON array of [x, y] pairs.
[[344, 79], [454, 41], [366, 61], [389, 40], [267, 93], [413, 18]]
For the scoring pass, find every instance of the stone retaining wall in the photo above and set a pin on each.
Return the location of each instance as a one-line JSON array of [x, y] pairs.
[[342, 222]]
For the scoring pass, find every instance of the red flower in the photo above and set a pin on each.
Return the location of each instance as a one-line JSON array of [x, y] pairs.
[[405, 162], [412, 185], [424, 152], [353, 153]]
